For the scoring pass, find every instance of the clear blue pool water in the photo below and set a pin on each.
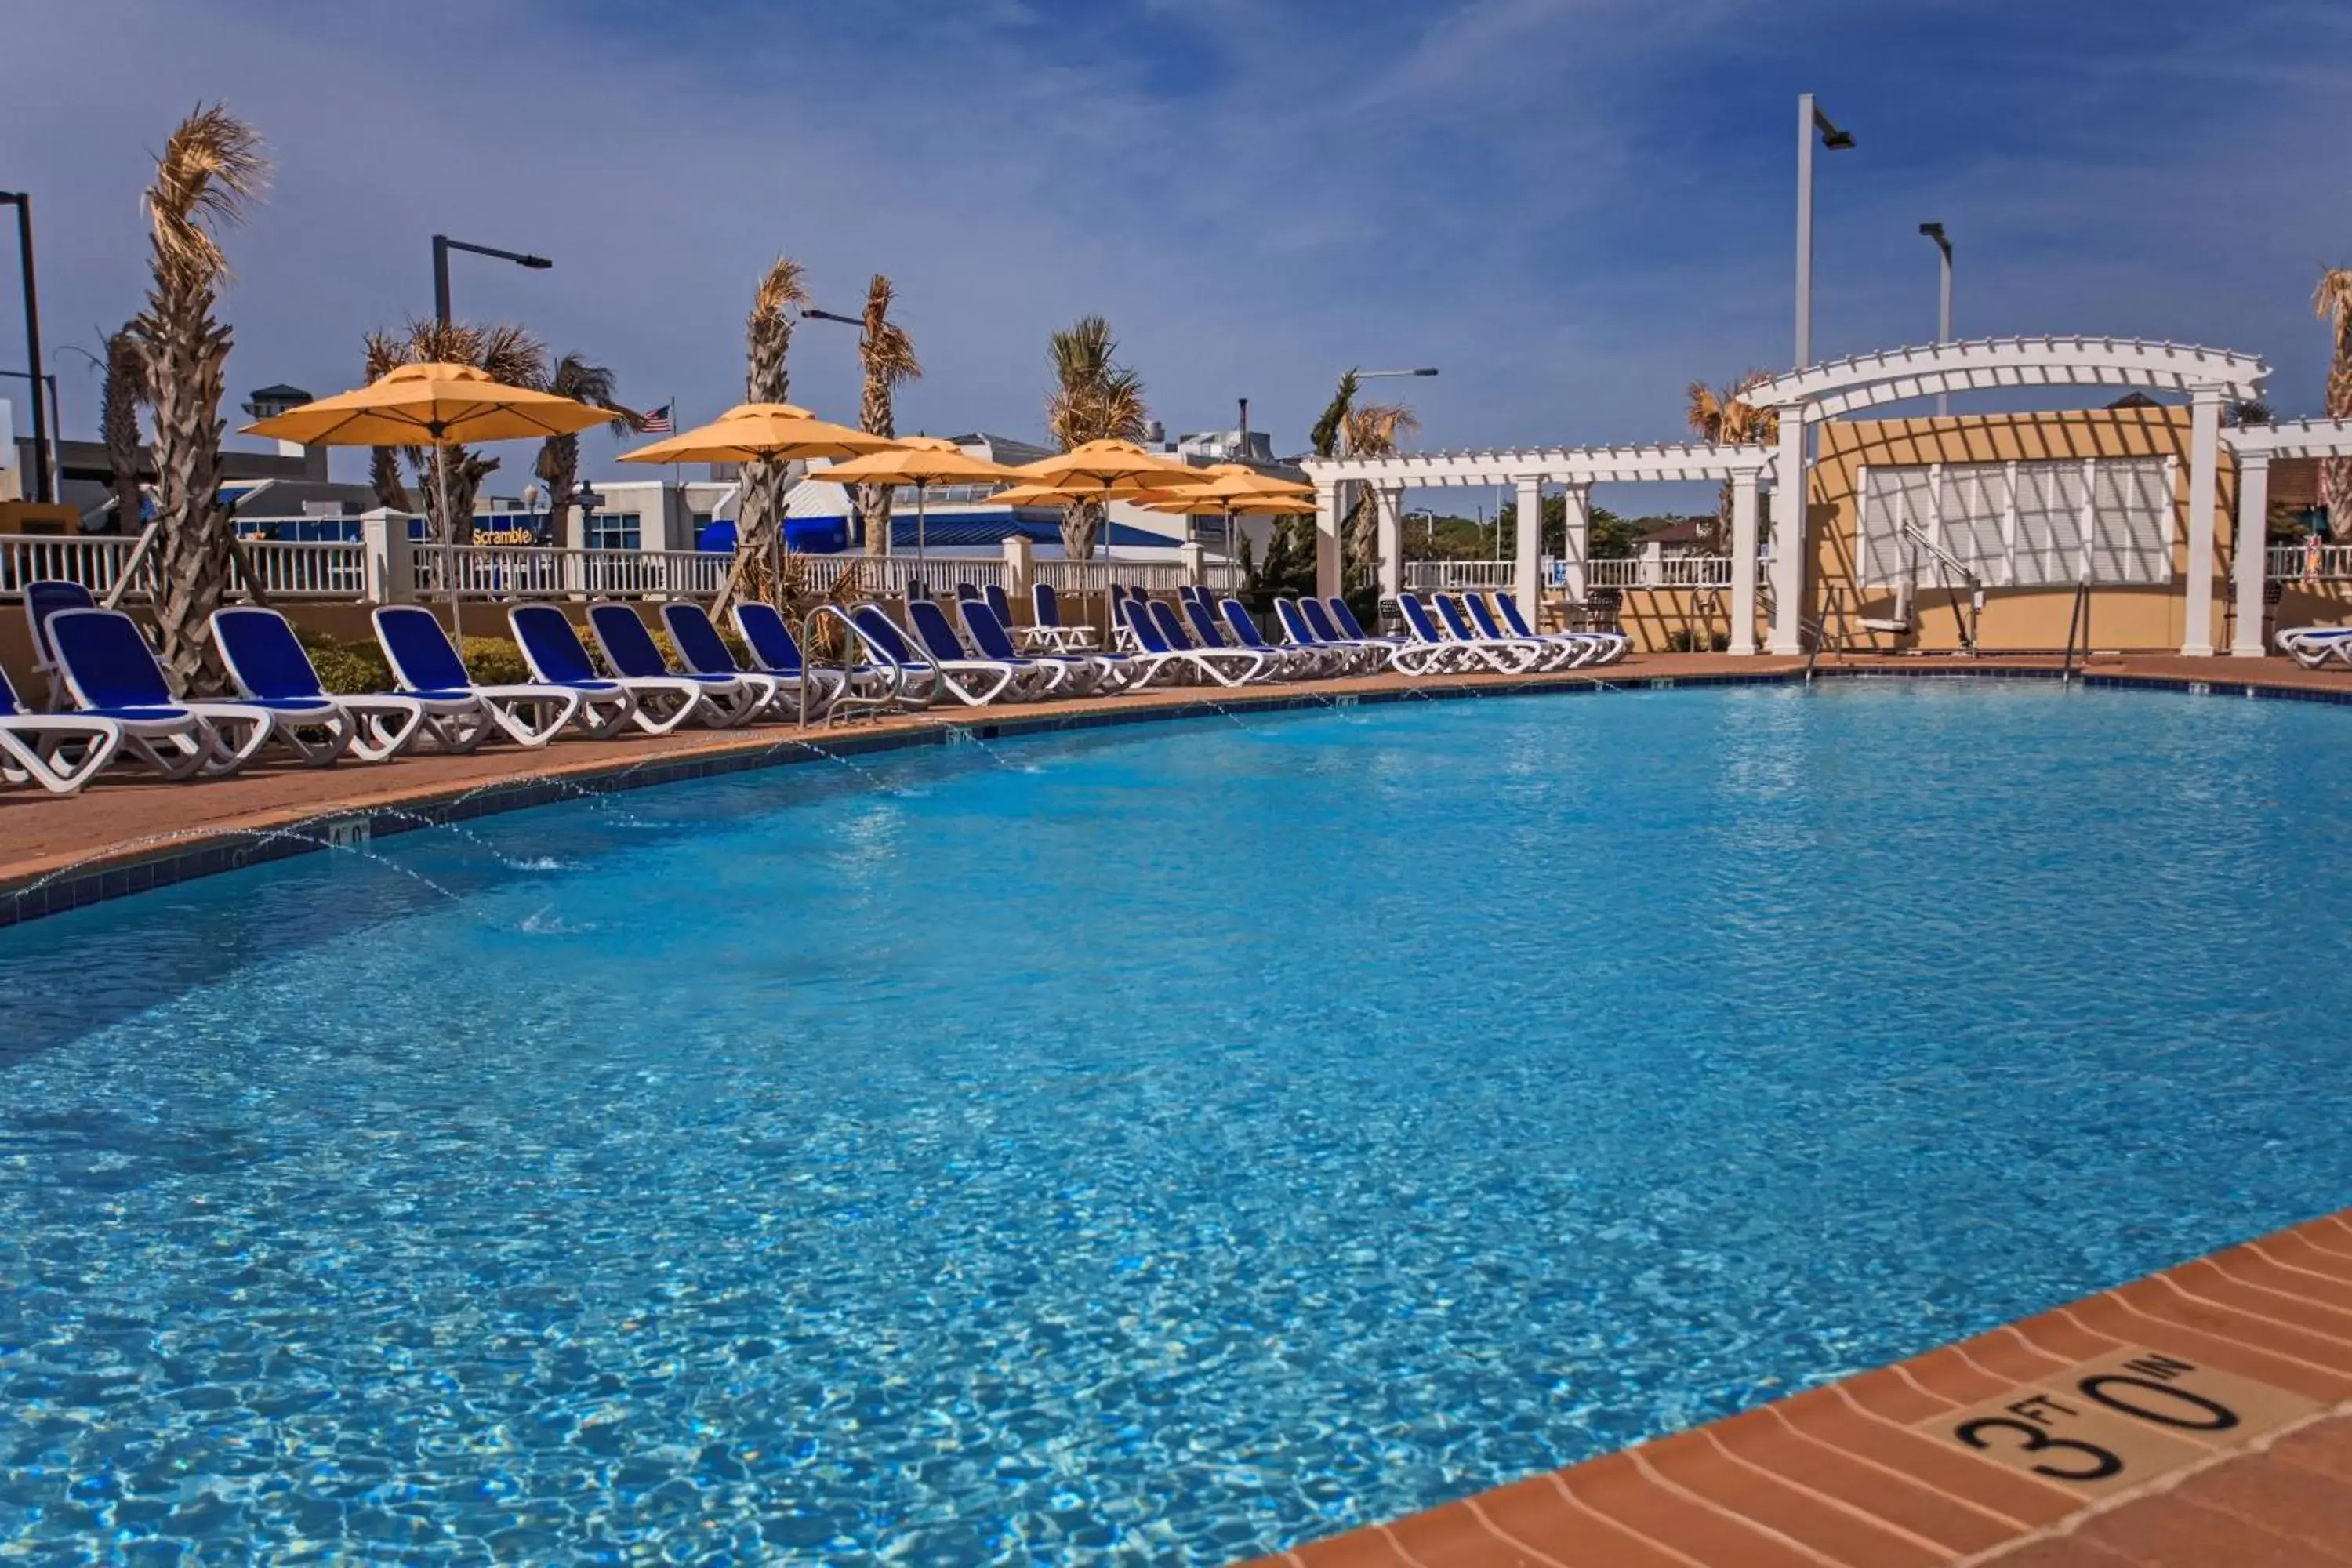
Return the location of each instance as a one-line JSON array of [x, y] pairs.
[[1168, 1144]]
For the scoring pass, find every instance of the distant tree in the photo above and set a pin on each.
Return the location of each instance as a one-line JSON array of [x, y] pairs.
[[558, 464], [1723, 417], [121, 395], [2332, 302], [888, 356], [1093, 398]]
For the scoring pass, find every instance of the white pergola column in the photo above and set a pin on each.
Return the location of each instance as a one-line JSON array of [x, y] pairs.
[[1526, 576], [2204, 475], [1388, 504], [1789, 533], [1327, 540], [1743, 562], [1576, 543], [2251, 550]]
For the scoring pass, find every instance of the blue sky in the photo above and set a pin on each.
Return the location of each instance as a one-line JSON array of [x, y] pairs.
[[1571, 207]]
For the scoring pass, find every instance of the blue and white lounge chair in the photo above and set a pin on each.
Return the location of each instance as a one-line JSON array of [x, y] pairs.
[[558, 658], [1227, 667], [774, 652], [112, 674], [1430, 651], [2311, 647], [973, 682], [1608, 646], [60, 751], [1348, 655], [1251, 664], [1552, 652], [42, 598], [1047, 630], [459, 713], [272, 670], [1507, 656], [704, 652], [1294, 659], [998, 605], [1079, 674], [1024, 679], [1350, 627], [1371, 653], [722, 702]]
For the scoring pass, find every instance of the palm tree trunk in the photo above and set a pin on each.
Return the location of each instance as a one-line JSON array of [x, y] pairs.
[[1081, 523], [2336, 473], [186, 353]]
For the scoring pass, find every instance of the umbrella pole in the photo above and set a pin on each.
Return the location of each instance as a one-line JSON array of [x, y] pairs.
[[449, 549], [922, 541]]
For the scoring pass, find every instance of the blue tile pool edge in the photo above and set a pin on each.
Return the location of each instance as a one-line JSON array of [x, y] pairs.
[[231, 849]]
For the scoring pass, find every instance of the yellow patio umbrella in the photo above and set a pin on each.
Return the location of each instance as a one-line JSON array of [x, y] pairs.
[[1217, 499], [750, 431], [1241, 479], [433, 404], [779, 432], [1036, 495], [921, 462]]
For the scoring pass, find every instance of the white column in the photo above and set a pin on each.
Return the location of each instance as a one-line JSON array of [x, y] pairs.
[[2204, 465], [2251, 547], [1789, 539], [1743, 562], [390, 557], [1576, 543], [1020, 569], [1193, 556], [1387, 503], [1327, 539], [1526, 575]]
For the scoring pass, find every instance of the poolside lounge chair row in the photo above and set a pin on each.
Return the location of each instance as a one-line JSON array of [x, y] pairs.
[[122, 705]]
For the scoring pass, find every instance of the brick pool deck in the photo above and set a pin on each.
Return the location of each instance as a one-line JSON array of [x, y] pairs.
[[2202, 1416]]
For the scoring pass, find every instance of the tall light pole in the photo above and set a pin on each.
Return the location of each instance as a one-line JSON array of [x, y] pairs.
[[443, 245], [23, 201], [1935, 231], [1810, 121], [1376, 375]]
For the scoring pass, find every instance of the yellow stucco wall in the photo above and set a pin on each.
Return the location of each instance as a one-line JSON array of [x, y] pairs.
[[2124, 618]]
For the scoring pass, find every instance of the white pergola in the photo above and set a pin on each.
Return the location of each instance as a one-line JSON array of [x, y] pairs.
[[2254, 445], [1800, 398], [1576, 469]]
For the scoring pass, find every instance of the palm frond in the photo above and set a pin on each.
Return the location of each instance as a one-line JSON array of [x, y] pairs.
[[1094, 397], [211, 170], [1373, 429], [1325, 438], [784, 287]]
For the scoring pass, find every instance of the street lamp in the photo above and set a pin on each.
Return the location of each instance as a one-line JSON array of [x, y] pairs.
[[812, 314], [1935, 231], [1376, 375], [1810, 120], [443, 245], [23, 201]]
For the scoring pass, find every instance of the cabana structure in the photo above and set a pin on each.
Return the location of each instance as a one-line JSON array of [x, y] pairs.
[[1808, 399]]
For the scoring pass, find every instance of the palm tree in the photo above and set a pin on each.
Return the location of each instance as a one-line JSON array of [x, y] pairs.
[[121, 392], [1094, 398], [760, 507], [1370, 430], [557, 466], [1723, 417], [1325, 438], [889, 355], [505, 352], [2332, 302], [210, 171]]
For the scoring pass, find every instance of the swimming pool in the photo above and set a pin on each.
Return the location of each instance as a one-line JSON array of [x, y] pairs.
[[1179, 1142]]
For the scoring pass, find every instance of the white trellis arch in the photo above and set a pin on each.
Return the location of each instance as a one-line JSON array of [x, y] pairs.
[[2254, 445], [1576, 469], [1894, 376]]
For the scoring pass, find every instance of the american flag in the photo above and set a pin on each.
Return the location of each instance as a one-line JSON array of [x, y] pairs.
[[658, 422]]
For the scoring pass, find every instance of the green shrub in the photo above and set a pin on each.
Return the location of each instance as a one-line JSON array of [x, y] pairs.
[[495, 662], [347, 669]]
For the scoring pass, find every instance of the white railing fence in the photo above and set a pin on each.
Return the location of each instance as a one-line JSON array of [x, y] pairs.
[[1422, 576], [1660, 571], [2290, 562], [543, 571]]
